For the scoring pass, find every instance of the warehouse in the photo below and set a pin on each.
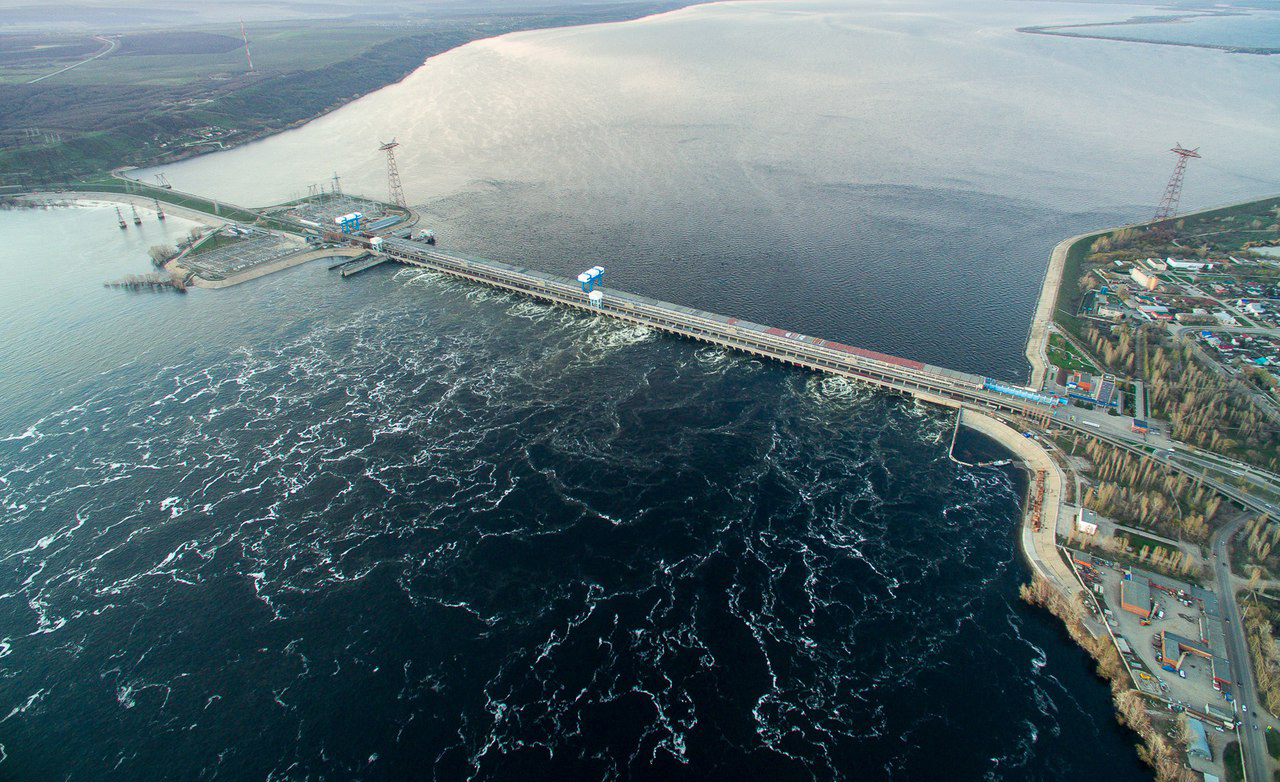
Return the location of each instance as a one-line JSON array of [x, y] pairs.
[[1135, 596]]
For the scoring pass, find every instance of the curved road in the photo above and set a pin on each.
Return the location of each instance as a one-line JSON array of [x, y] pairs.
[[112, 45]]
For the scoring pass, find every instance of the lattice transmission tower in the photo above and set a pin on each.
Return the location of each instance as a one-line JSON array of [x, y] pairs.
[[1173, 191], [394, 188], [247, 55]]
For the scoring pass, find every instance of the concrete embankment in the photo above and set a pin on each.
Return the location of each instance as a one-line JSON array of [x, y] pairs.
[[1040, 547], [262, 270], [130, 200], [1042, 320]]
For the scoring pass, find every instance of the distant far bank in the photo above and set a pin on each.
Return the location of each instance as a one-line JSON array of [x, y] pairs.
[[1180, 30], [73, 105]]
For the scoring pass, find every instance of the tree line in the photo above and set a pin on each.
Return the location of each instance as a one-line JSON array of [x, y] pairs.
[[1202, 407], [1141, 492], [1157, 749]]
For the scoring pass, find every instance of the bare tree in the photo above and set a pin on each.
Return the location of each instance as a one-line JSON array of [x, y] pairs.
[[161, 253]]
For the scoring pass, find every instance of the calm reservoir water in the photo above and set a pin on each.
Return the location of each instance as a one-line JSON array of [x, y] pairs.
[[400, 527]]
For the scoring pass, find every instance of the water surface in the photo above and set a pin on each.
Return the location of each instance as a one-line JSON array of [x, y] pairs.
[[396, 526]]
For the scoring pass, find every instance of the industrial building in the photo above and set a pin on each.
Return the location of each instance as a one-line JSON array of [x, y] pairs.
[[1135, 596], [1086, 521], [1226, 717], [1198, 746], [1106, 391], [1174, 649]]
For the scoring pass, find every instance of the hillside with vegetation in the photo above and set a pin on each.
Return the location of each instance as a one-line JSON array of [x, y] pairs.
[[161, 96]]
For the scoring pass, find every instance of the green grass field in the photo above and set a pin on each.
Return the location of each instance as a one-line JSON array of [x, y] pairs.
[[1064, 355], [216, 241], [1136, 542], [1069, 293], [276, 51]]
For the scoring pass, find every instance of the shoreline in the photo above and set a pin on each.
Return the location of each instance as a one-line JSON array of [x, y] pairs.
[[1263, 51], [79, 199], [1042, 324], [287, 262], [308, 88], [1042, 319], [1038, 547], [1053, 584]]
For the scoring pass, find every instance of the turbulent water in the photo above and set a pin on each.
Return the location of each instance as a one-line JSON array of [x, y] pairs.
[[400, 527]]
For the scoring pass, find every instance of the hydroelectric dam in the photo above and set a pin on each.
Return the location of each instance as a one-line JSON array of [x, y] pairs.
[[930, 383]]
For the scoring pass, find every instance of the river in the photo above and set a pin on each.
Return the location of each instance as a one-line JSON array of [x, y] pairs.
[[398, 526]]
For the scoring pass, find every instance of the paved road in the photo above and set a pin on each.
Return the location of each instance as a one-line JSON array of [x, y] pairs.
[[1252, 740], [1192, 465], [1178, 330], [112, 44]]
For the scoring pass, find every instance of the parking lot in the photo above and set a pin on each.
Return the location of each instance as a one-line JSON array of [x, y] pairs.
[[1170, 636]]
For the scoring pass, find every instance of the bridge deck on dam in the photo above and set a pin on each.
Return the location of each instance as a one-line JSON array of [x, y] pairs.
[[931, 383]]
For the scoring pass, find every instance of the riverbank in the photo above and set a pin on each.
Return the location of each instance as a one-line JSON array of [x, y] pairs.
[[1038, 546], [1056, 588], [60, 198], [176, 266], [173, 109], [1043, 318], [1060, 285]]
